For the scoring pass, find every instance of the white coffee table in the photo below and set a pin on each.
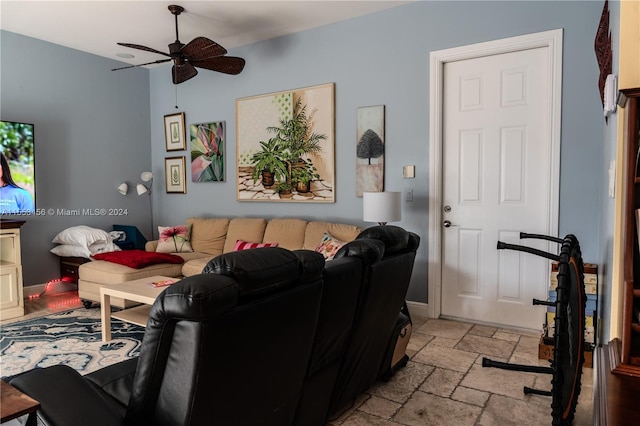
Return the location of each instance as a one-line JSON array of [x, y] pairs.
[[135, 291]]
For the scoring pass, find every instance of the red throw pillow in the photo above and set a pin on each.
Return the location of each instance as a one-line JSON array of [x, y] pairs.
[[138, 258], [245, 245]]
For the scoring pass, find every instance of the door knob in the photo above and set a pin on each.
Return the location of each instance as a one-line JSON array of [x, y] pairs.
[[446, 223]]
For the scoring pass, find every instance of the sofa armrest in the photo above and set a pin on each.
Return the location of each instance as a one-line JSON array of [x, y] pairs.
[[66, 398], [151, 245]]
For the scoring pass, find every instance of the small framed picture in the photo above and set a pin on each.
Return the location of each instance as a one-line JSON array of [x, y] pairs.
[[174, 132], [175, 175]]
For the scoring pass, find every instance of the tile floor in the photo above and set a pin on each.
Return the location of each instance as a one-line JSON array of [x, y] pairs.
[[444, 382]]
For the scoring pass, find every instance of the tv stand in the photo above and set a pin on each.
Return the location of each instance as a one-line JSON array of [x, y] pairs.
[[11, 296]]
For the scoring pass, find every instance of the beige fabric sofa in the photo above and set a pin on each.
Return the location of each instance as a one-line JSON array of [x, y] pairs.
[[211, 237]]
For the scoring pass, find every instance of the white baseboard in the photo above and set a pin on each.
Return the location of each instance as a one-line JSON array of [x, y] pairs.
[[418, 309]]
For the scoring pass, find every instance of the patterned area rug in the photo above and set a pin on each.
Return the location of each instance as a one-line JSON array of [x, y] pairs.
[[72, 338]]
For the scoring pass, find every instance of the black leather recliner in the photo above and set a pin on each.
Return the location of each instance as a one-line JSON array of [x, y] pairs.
[[230, 347], [262, 337], [343, 278], [385, 284]]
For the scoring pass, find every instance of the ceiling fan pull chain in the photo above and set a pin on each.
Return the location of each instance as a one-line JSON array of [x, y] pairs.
[[176, 87]]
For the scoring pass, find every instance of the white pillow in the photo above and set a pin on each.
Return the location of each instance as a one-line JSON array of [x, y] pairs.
[[82, 235], [68, 250], [102, 247]]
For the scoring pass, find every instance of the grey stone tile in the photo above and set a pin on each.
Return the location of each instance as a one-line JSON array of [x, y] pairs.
[[506, 335], [444, 328], [360, 418], [426, 409], [406, 380], [444, 342], [449, 358], [380, 407], [442, 382], [504, 411], [417, 342], [482, 330], [503, 382], [486, 345], [470, 396]]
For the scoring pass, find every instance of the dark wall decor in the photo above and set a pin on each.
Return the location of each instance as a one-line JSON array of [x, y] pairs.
[[604, 54]]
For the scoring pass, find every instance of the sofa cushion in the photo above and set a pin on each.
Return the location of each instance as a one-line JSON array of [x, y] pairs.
[[101, 271], [244, 228], [289, 233], [195, 266], [174, 239], [208, 234], [316, 229]]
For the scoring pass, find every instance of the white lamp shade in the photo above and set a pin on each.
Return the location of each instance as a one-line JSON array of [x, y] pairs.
[[381, 207], [141, 189], [146, 176], [123, 188]]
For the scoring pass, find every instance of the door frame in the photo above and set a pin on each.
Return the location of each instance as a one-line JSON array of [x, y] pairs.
[[551, 39]]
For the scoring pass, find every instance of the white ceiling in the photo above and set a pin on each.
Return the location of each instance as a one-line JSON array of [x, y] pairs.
[[96, 26]]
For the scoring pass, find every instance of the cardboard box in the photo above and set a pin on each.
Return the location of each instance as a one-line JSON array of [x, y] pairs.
[[545, 351]]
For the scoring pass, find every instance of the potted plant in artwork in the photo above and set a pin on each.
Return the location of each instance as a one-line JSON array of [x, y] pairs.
[[302, 173], [284, 189], [296, 137], [268, 163]]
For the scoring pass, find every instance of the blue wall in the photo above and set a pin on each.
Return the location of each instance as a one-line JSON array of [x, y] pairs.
[[383, 58], [98, 127], [607, 208], [91, 134]]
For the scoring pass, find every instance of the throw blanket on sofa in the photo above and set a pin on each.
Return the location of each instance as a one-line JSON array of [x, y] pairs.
[[138, 258]]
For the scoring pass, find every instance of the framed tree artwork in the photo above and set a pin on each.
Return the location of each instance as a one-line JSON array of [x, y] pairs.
[[175, 175], [174, 132], [285, 146], [369, 149]]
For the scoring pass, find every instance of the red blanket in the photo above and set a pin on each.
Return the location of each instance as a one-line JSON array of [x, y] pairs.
[[138, 258]]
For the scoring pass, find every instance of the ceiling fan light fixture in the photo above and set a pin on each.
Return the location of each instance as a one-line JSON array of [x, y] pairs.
[[200, 52]]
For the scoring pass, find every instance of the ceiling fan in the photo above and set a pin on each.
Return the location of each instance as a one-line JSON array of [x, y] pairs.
[[200, 52]]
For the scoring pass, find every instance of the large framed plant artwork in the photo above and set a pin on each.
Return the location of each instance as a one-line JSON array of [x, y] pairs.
[[208, 145], [285, 146]]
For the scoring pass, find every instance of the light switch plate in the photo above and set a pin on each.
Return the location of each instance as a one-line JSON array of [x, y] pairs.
[[408, 172]]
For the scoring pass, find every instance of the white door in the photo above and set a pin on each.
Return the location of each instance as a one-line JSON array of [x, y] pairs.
[[496, 183]]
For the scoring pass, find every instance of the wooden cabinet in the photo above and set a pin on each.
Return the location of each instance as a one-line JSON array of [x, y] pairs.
[[11, 298], [630, 348]]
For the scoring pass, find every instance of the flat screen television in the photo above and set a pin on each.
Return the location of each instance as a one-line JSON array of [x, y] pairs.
[[18, 191]]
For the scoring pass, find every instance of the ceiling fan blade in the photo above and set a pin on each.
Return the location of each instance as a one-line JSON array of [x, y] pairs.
[[202, 48], [159, 61], [182, 73], [226, 64], [139, 47]]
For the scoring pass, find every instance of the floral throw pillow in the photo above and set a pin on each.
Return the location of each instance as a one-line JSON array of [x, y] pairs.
[[329, 246], [174, 239]]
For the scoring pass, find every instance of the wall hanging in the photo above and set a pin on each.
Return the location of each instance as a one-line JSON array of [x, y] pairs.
[[208, 145], [285, 146], [174, 135], [175, 177], [369, 149]]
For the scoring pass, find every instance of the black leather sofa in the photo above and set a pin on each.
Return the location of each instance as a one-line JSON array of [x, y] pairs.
[[262, 337]]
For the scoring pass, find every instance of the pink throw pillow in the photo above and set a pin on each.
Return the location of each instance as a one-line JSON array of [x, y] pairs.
[[245, 245]]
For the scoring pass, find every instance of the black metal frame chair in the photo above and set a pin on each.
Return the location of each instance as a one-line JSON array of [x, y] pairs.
[[568, 353]]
